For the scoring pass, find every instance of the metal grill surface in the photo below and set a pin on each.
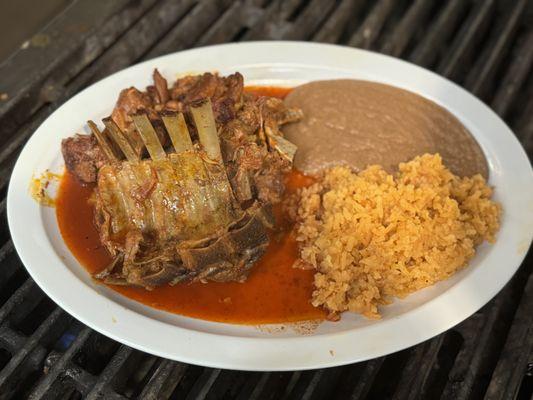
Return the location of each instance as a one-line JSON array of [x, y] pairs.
[[484, 46]]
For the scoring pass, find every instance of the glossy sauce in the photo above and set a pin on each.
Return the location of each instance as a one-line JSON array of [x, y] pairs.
[[271, 91], [274, 291]]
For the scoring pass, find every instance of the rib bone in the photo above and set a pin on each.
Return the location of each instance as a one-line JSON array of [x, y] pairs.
[[121, 140], [102, 141], [207, 131], [177, 130], [149, 137]]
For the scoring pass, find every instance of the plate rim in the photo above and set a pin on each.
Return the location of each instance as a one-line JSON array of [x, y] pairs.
[[245, 345]]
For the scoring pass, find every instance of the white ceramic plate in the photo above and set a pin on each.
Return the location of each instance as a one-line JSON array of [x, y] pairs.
[[405, 323]]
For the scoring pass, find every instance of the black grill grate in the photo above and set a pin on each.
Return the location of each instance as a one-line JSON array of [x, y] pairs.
[[485, 46]]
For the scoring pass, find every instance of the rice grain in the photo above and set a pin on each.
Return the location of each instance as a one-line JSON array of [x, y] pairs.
[[372, 236]]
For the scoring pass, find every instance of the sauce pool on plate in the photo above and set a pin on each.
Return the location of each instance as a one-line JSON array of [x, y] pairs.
[[274, 292]]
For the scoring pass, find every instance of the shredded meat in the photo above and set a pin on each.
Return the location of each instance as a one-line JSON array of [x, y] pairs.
[[249, 162], [206, 86], [182, 86], [242, 120], [129, 102], [225, 93], [269, 179], [83, 157], [276, 110]]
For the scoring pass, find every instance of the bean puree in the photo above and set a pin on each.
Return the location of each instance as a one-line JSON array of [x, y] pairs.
[[360, 123]]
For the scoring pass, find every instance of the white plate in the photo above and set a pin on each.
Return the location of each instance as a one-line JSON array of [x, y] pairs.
[[404, 323]]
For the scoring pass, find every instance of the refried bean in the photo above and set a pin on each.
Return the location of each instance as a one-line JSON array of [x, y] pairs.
[[361, 123]]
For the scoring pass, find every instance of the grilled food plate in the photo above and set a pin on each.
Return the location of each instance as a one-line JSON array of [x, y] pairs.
[[405, 323]]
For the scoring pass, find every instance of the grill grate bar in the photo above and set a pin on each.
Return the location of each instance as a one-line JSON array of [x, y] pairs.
[[11, 273], [332, 30], [55, 320], [9, 154], [467, 38], [404, 31], [183, 35], [233, 384], [486, 66], [18, 141], [103, 386], [523, 127], [461, 380], [32, 353], [79, 379], [366, 379], [518, 350], [319, 384], [278, 385], [308, 22], [35, 89], [229, 24], [416, 375], [369, 31], [273, 23], [164, 380], [55, 51], [484, 335], [288, 9], [204, 384], [311, 386], [293, 380], [196, 22], [134, 43], [522, 61], [259, 388], [19, 299], [426, 52], [6, 249], [10, 263], [10, 340], [60, 367]]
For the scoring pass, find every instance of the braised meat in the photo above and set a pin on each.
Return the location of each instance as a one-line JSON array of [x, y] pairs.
[[225, 93], [161, 88], [185, 179], [174, 217], [240, 118], [130, 101], [249, 163], [83, 157]]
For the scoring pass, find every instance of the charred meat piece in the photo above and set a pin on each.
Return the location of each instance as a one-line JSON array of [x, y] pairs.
[[173, 217], [225, 93], [161, 87], [269, 180], [83, 157], [130, 101], [212, 86], [256, 154]]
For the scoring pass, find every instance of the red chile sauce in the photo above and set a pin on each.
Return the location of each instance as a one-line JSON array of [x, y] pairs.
[[274, 291]]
